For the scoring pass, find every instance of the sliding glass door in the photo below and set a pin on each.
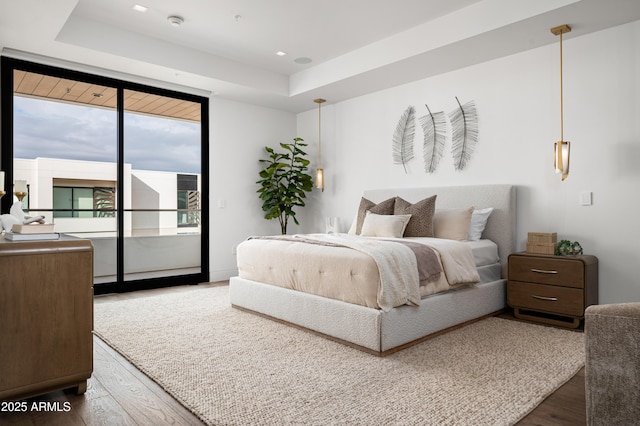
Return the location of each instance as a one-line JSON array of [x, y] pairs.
[[65, 147], [163, 231], [122, 164]]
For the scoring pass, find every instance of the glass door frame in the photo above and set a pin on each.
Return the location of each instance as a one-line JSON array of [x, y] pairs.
[[8, 65]]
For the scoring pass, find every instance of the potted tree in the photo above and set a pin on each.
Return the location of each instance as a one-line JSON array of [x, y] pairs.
[[284, 182]]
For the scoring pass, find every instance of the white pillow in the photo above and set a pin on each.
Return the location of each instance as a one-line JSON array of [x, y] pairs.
[[478, 222], [384, 225]]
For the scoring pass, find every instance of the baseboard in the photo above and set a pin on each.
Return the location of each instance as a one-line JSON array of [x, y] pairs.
[[223, 275]]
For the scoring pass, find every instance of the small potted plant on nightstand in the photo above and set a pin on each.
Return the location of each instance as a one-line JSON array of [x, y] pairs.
[[568, 248]]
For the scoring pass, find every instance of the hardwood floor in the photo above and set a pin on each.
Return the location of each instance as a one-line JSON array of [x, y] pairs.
[[564, 407], [119, 394]]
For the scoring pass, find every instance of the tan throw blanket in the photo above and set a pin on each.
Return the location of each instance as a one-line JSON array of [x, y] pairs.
[[429, 268], [397, 261], [457, 259]]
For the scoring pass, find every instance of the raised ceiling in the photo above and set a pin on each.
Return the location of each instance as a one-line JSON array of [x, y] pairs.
[[227, 47]]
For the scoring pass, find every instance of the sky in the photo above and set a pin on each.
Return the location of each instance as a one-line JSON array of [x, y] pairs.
[[59, 130]]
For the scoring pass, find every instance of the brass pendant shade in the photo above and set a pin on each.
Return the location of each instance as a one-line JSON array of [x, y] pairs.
[[561, 158], [561, 149], [319, 169]]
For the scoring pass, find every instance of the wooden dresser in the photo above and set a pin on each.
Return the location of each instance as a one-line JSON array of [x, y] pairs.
[[552, 289], [46, 316]]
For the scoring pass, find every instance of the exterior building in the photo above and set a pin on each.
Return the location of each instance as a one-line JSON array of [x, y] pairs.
[[161, 226]]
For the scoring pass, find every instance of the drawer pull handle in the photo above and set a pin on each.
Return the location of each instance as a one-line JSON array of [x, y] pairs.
[[543, 271], [549, 299]]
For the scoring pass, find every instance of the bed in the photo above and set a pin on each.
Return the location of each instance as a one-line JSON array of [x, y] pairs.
[[371, 328]]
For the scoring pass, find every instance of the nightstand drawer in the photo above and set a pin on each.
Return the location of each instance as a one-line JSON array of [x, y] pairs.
[[546, 298], [547, 270]]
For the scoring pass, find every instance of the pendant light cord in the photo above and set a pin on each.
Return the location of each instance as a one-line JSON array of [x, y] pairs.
[[319, 101], [319, 134], [561, 95], [559, 31]]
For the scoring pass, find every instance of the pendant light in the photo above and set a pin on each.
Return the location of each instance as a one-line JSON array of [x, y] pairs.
[[561, 148], [319, 169]]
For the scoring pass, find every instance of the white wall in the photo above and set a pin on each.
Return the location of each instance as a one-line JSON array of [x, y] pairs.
[[238, 135], [518, 104], [153, 190]]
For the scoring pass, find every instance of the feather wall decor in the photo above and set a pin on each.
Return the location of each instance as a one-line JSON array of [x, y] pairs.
[[464, 133], [402, 142], [434, 128]]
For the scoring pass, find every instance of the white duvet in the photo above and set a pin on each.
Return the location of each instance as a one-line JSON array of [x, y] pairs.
[[358, 272]]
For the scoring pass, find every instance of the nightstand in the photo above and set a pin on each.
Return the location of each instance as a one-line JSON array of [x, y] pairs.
[[552, 289]]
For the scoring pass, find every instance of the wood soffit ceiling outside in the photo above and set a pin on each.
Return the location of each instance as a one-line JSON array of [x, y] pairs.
[[71, 91]]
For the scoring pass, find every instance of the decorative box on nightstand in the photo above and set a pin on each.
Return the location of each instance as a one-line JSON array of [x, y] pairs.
[[552, 289]]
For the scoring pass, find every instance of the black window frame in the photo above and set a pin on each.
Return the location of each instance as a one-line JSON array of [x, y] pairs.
[[7, 67]]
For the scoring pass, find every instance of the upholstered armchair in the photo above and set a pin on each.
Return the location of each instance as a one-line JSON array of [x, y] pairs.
[[612, 374]]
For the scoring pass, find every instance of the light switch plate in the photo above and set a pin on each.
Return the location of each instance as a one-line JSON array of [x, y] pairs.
[[586, 198]]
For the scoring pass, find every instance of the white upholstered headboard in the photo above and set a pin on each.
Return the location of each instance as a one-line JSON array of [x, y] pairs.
[[501, 227]]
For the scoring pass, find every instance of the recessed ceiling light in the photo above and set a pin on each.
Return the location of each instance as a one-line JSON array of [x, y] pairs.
[[302, 60], [281, 53], [176, 21], [140, 8]]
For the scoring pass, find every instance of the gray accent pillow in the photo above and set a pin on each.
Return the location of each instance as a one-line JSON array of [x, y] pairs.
[[384, 207], [421, 222]]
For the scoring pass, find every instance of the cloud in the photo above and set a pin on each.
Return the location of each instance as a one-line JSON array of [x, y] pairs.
[[60, 130]]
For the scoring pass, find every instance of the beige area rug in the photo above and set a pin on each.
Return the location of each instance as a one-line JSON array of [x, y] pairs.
[[234, 368]]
